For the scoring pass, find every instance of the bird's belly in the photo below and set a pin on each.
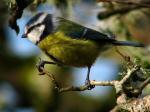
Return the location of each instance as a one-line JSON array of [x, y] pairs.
[[79, 55], [71, 52]]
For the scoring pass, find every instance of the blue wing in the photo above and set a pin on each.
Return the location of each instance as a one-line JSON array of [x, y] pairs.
[[76, 31]]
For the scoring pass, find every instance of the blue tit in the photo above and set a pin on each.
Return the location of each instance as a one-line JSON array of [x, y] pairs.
[[69, 43]]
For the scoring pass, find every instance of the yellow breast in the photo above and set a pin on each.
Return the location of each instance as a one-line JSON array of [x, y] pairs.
[[72, 52]]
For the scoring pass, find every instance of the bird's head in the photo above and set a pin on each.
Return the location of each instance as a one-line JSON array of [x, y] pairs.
[[38, 27]]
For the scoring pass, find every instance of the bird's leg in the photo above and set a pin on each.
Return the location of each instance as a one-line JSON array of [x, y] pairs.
[[87, 81], [40, 65]]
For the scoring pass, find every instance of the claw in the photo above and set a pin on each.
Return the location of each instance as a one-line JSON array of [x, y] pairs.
[[90, 87], [40, 66]]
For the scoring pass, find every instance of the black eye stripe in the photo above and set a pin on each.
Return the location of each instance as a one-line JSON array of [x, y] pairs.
[[31, 28]]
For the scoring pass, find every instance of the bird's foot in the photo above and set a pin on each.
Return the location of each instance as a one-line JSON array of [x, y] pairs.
[[90, 87], [41, 63], [40, 66]]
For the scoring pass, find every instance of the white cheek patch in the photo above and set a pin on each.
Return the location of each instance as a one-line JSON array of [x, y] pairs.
[[35, 35], [25, 30]]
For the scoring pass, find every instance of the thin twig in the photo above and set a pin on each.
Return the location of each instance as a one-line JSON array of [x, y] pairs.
[[122, 94], [73, 88], [144, 84], [85, 87], [126, 58], [129, 6], [129, 73], [123, 10], [52, 78], [103, 83], [143, 4], [117, 84]]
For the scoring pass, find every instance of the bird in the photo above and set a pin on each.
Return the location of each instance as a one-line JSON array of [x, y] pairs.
[[68, 43]]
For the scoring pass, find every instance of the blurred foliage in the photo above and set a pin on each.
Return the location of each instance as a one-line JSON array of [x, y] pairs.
[[61, 3], [137, 77], [37, 92], [133, 24]]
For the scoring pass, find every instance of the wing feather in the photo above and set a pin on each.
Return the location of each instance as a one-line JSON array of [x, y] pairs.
[[77, 31]]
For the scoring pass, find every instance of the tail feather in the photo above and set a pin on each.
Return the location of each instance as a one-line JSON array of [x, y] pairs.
[[128, 43]]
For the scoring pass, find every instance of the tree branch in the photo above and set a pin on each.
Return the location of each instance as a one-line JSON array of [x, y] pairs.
[[129, 2], [144, 84], [118, 85], [16, 13], [126, 93], [129, 6], [108, 13], [134, 105]]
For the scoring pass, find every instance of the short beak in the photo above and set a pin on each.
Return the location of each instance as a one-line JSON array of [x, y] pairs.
[[24, 36]]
